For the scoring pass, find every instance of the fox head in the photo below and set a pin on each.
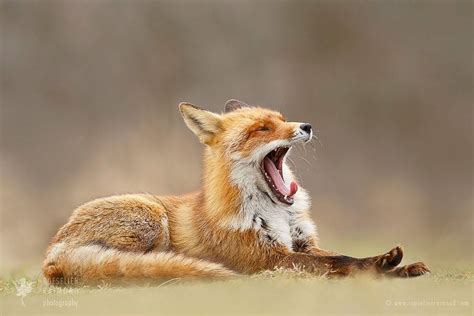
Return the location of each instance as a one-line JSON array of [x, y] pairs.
[[252, 143]]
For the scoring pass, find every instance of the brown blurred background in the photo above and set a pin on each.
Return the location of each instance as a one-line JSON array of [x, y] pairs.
[[89, 94]]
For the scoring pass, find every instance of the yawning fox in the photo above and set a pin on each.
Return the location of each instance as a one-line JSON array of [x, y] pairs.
[[250, 215]]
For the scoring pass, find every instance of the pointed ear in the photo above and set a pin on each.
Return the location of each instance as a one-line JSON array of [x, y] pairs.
[[232, 105], [203, 123]]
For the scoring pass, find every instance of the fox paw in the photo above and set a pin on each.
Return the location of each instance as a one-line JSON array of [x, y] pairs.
[[411, 270], [390, 260]]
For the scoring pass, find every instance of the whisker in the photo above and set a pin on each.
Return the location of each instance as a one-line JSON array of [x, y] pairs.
[[302, 156], [305, 160], [313, 146], [317, 138], [291, 161]]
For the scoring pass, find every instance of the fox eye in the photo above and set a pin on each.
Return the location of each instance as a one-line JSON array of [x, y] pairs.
[[263, 129]]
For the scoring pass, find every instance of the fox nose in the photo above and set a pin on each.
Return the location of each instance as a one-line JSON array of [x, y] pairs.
[[306, 127]]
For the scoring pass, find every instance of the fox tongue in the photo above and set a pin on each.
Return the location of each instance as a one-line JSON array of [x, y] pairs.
[[277, 179], [293, 188]]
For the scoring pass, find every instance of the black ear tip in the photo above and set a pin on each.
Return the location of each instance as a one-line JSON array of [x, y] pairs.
[[233, 104], [232, 101]]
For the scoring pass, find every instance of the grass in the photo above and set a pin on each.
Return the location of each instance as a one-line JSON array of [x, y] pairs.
[[444, 292]]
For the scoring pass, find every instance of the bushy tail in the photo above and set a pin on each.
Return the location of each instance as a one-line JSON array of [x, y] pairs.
[[66, 265]]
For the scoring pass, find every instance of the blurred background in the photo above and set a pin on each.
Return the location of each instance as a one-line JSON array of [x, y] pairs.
[[89, 94]]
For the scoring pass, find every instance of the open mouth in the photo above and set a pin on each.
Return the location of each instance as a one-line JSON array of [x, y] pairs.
[[272, 168]]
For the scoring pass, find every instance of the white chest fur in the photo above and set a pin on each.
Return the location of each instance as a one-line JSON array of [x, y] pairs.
[[277, 222]]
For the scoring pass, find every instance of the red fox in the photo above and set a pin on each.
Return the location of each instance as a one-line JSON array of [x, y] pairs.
[[249, 216]]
